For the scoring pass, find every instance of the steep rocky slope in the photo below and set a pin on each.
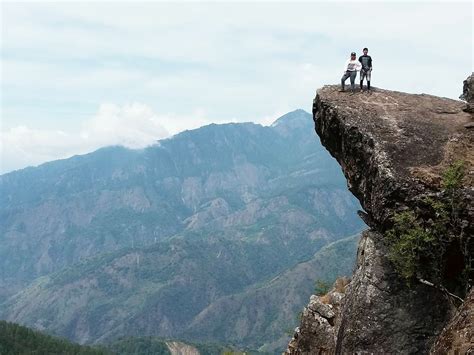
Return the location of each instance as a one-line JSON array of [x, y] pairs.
[[409, 160]]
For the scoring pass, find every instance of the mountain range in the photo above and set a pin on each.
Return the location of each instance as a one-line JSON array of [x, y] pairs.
[[216, 234]]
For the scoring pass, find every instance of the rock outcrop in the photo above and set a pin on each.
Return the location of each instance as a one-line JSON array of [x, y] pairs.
[[395, 150], [468, 93], [319, 318], [179, 348], [458, 336]]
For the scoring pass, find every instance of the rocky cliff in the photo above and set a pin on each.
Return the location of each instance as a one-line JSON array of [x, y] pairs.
[[468, 93], [409, 160], [458, 335]]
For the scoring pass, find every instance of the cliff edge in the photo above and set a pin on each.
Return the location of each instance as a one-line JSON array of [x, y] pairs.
[[409, 159]]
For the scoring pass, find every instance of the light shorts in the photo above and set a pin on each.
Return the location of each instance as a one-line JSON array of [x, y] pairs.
[[365, 74]]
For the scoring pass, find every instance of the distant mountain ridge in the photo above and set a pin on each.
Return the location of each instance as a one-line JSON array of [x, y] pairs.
[[240, 203]]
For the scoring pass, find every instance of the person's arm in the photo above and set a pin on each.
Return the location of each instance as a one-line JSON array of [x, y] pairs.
[[358, 66], [370, 63]]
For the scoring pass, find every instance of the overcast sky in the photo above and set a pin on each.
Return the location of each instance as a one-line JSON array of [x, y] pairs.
[[78, 76]]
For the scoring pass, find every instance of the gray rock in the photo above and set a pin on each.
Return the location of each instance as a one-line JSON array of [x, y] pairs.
[[468, 93], [458, 336], [393, 149], [322, 309]]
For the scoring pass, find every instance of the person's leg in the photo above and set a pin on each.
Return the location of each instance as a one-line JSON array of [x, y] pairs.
[[362, 75], [343, 80], [353, 78], [368, 79]]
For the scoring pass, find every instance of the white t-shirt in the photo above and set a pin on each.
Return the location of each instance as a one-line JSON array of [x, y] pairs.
[[352, 65]]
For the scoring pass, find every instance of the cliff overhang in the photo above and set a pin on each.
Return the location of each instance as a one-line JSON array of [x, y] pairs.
[[394, 147], [399, 153]]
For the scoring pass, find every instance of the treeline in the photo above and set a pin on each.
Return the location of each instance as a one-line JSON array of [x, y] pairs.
[[139, 346], [158, 346], [19, 340], [16, 339]]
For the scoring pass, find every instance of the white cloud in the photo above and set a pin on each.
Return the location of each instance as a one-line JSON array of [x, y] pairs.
[[133, 125], [22, 146]]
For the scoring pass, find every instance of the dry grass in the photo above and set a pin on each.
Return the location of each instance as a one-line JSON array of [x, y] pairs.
[[325, 299], [340, 284], [461, 148]]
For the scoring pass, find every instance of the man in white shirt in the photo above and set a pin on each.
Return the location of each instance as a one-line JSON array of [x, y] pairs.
[[350, 71]]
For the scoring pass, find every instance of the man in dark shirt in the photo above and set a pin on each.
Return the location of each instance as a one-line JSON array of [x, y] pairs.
[[366, 71]]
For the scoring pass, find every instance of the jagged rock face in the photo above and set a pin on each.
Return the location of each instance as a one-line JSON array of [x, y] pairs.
[[468, 93], [376, 314], [393, 149], [458, 336], [381, 314], [319, 320]]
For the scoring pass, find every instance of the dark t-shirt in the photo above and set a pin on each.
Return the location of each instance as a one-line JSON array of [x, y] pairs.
[[366, 61]]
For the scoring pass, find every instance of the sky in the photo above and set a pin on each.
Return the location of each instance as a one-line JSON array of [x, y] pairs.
[[76, 76]]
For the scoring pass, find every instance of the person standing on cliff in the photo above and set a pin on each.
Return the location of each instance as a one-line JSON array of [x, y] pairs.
[[366, 71], [350, 71]]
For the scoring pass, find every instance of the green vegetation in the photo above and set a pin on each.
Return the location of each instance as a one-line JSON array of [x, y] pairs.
[[214, 349], [433, 248], [16, 339], [139, 346], [321, 287], [159, 346], [409, 244], [156, 286], [453, 176], [19, 340]]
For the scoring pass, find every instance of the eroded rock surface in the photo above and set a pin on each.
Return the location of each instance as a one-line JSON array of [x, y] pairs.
[[468, 93], [375, 314], [393, 148], [458, 336], [319, 319], [178, 348]]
